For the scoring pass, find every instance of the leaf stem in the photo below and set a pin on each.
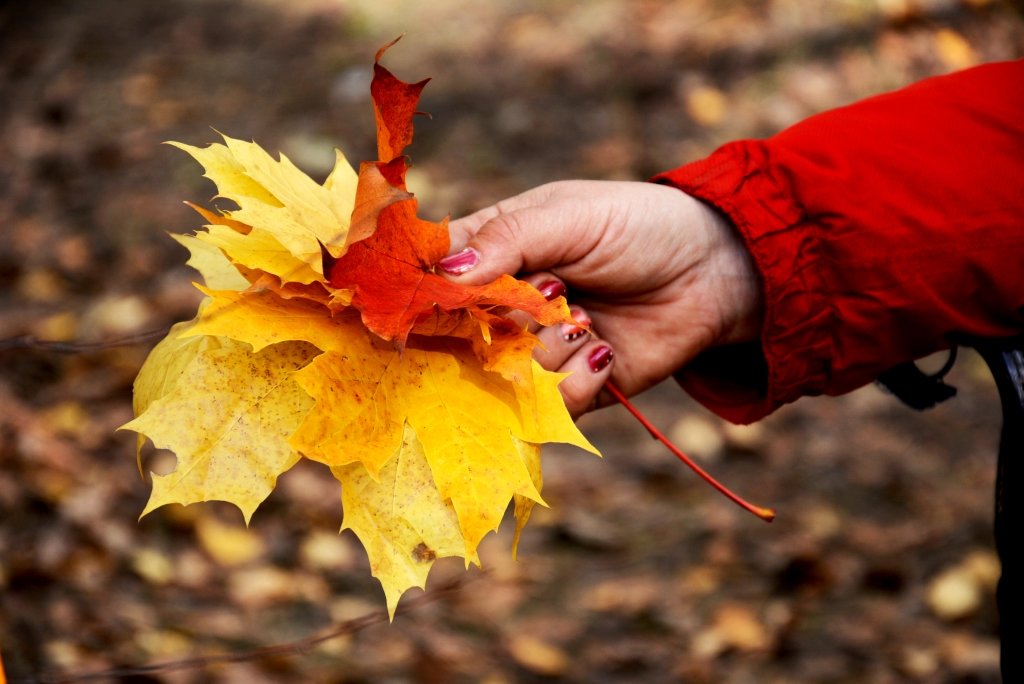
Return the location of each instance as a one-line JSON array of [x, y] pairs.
[[766, 514]]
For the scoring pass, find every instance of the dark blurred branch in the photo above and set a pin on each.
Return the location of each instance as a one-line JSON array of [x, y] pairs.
[[292, 648], [30, 342]]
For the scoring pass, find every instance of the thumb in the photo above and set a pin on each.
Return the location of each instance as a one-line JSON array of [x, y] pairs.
[[525, 239]]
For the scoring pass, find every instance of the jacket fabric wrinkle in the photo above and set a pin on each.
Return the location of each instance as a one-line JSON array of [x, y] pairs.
[[881, 231]]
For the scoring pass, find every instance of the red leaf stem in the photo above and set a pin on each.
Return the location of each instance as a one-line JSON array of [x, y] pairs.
[[766, 514]]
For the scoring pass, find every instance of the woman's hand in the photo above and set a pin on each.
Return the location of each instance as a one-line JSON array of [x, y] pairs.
[[657, 275]]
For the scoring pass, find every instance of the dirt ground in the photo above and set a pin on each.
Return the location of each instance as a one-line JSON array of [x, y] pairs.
[[880, 567]]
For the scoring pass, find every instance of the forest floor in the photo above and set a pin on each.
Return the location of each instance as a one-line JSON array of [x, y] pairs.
[[880, 567]]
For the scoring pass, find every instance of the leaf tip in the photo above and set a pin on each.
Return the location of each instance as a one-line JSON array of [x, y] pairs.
[[384, 48]]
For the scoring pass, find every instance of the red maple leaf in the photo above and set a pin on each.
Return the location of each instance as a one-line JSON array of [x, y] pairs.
[[391, 271]]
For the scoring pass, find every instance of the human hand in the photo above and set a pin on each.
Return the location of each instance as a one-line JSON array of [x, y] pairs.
[[657, 275]]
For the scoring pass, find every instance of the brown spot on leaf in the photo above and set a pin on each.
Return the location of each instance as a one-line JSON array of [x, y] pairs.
[[423, 553]]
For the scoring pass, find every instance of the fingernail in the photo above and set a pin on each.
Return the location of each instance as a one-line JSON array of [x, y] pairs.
[[552, 289], [580, 316], [571, 332], [460, 262], [600, 358]]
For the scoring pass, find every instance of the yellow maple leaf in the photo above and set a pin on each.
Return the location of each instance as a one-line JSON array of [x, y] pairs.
[[228, 418], [402, 520], [261, 318], [163, 368], [245, 249], [466, 419], [259, 250], [400, 517], [465, 416], [523, 505], [280, 202], [217, 271]]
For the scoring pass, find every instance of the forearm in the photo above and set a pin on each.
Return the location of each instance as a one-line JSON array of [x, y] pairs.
[[880, 231]]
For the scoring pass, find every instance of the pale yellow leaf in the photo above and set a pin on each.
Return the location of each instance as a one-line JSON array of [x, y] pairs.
[[467, 419], [228, 174], [163, 368], [400, 518], [228, 419], [277, 198], [954, 50], [706, 105], [261, 318], [216, 269], [229, 545], [259, 250], [523, 505]]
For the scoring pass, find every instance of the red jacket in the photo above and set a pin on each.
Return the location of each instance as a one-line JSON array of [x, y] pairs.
[[882, 231]]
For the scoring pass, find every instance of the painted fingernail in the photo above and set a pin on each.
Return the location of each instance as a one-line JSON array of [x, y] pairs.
[[580, 316], [460, 262], [600, 358], [552, 289], [571, 333]]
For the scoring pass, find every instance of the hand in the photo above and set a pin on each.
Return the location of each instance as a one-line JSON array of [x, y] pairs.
[[657, 275]]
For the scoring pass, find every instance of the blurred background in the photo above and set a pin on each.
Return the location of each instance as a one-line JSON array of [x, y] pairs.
[[880, 567]]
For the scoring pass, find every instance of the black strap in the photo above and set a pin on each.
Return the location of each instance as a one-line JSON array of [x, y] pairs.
[[1006, 360], [917, 389]]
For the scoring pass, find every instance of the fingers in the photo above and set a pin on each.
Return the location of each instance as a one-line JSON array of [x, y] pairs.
[[548, 285], [559, 342], [589, 368], [545, 227], [461, 230], [573, 349]]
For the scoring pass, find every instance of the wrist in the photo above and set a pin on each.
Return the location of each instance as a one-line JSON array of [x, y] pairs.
[[734, 280]]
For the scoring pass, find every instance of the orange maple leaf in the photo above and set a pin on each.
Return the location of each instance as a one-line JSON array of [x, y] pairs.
[[392, 271]]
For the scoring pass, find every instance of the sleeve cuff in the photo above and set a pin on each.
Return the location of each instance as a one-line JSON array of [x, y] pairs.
[[743, 383]]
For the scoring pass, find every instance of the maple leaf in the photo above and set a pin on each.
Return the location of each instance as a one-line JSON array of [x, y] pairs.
[[228, 418], [326, 334], [392, 272], [163, 369], [462, 407], [403, 535], [394, 105], [218, 273], [466, 419], [288, 216]]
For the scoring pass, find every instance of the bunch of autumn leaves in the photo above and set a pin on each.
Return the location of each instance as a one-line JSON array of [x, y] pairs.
[[326, 334]]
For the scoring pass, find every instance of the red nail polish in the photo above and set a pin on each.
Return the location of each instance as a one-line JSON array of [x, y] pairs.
[[460, 262], [600, 358], [580, 316], [552, 289], [571, 333]]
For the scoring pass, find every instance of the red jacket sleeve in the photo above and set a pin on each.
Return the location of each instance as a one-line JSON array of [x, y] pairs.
[[881, 231]]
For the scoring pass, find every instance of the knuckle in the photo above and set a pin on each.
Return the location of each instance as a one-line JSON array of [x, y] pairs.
[[505, 228]]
